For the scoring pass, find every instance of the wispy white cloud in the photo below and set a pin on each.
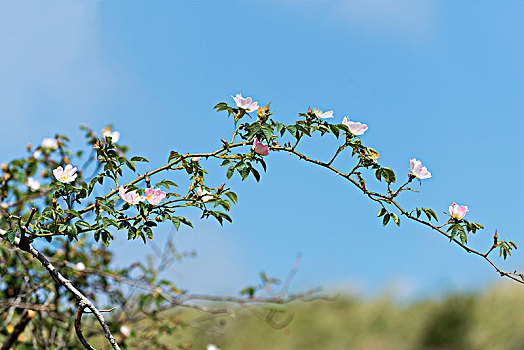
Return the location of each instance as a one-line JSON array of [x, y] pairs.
[[409, 18]]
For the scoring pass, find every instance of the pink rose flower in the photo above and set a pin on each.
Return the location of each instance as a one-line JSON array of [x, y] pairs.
[[131, 197], [419, 171], [114, 135], [457, 211], [154, 196], [356, 128], [33, 184], [260, 148], [125, 331], [49, 143], [245, 103], [206, 196], [320, 114], [66, 175]]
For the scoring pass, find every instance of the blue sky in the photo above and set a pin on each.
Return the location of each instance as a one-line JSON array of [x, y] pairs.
[[440, 81]]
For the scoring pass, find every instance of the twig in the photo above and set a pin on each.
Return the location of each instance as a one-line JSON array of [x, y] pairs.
[[60, 279]]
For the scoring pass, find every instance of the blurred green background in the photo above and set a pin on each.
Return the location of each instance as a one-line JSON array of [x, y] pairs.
[[492, 319]]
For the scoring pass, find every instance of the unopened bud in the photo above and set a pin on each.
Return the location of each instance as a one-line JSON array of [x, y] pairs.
[[29, 146], [4, 167], [31, 313], [65, 160], [495, 237], [220, 188], [148, 181]]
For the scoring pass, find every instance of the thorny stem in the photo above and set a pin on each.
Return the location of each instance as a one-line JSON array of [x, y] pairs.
[[359, 183]]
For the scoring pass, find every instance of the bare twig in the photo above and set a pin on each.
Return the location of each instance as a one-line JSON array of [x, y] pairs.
[[60, 279]]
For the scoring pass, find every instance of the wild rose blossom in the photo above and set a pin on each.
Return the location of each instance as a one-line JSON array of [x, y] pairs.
[[458, 211], [260, 148], [125, 331], [114, 135], [80, 266], [419, 171], [66, 175], [206, 196], [49, 143], [356, 128], [245, 103], [195, 159], [154, 196], [320, 114], [33, 184], [131, 197]]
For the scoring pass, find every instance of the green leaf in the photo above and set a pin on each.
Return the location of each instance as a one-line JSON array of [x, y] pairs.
[[385, 220], [256, 174], [74, 213], [334, 130], [232, 196], [139, 159], [131, 165], [245, 172], [267, 133], [167, 183], [281, 128], [11, 236], [292, 130], [378, 174], [303, 129], [381, 212], [173, 155], [230, 172], [395, 218], [263, 163], [185, 221], [430, 213], [388, 174]]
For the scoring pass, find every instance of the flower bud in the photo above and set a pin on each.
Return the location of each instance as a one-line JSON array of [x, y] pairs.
[[4, 167], [31, 313], [29, 146]]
